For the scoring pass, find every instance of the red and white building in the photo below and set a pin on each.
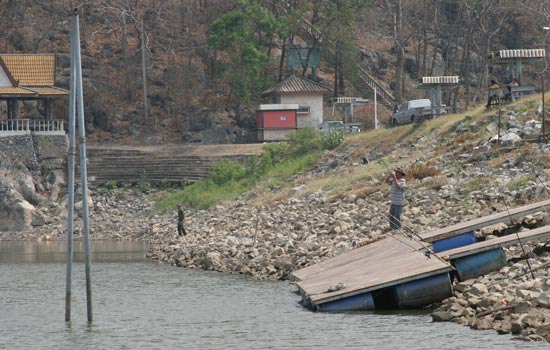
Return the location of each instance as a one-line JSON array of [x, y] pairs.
[[297, 102]]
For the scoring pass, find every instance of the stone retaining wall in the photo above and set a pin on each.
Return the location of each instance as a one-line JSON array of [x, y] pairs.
[[19, 148], [49, 150]]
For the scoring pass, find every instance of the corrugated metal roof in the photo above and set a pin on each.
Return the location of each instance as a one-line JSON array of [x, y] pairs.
[[449, 79], [9, 90], [522, 53], [296, 84], [31, 70]]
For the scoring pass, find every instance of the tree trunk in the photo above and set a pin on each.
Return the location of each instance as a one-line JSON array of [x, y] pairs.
[[128, 81], [399, 48], [282, 61]]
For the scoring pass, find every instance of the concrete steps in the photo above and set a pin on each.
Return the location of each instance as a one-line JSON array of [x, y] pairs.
[[126, 165]]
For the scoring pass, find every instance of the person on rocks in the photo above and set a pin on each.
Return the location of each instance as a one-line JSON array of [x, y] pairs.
[[398, 186], [181, 228]]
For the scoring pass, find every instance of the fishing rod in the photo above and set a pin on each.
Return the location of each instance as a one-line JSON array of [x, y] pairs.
[[541, 182], [516, 233], [411, 235]]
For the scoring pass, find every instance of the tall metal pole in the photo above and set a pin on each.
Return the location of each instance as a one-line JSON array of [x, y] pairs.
[[70, 185], [144, 73], [375, 109], [83, 169], [543, 113]]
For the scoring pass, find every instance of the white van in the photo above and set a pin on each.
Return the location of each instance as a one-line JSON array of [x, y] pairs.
[[409, 111]]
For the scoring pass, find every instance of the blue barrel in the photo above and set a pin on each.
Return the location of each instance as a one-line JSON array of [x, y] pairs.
[[425, 291], [454, 242], [363, 301], [473, 266]]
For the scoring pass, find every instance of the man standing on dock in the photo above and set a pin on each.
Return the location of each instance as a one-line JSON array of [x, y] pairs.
[[398, 185], [181, 228]]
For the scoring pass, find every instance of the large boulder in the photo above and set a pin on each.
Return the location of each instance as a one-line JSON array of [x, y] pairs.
[[16, 213]]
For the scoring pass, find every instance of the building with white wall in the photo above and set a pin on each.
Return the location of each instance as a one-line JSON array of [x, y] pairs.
[[307, 94]]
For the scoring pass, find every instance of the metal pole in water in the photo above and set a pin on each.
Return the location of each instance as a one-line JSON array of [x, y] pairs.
[[83, 168], [70, 185]]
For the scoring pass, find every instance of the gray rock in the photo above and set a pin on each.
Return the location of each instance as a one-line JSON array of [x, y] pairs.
[[478, 289], [441, 316], [544, 299]]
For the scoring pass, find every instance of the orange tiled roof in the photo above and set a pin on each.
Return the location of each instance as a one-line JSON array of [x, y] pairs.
[[48, 91], [31, 70], [9, 90]]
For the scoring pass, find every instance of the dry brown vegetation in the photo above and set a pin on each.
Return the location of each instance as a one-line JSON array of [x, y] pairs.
[[422, 170]]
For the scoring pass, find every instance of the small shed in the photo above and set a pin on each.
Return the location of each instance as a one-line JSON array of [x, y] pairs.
[[275, 121], [516, 58], [307, 94], [436, 86]]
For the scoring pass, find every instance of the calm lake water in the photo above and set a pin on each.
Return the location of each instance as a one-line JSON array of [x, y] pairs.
[[139, 304]]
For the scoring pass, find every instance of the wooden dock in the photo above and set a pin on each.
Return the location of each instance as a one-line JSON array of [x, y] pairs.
[[512, 239], [384, 263], [399, 267], [485, 221]]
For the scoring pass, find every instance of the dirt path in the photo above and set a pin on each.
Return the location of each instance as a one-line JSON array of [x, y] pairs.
[[192, 149]]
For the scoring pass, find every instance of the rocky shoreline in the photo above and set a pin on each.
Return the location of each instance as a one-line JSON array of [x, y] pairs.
[[268, 239]]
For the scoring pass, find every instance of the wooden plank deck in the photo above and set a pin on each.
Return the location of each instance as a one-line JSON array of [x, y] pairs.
[[475, 224], [529, 235], [385, 263]]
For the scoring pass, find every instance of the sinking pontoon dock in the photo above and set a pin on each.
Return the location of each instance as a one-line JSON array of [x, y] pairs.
[[399, 272]]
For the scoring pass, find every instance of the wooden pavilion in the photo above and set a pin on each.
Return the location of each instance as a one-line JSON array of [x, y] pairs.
[[28, 77]]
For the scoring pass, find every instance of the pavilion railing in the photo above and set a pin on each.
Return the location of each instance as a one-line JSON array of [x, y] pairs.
[[46, 126], [27, 126]]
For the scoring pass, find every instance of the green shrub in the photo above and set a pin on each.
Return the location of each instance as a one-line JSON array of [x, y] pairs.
[[304, 141], [184, 182], [144, 185], [111, 184], [254, 168], [332, 139], [165, 183], [226, 170], [275, 152]]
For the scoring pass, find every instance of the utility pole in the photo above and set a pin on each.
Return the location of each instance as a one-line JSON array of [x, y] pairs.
[[144, 71]]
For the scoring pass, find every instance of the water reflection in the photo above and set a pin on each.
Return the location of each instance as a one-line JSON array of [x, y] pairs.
[[55, 251], [139, 304]]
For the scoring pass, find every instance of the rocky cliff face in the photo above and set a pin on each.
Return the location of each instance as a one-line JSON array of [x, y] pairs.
[[16, 194], [31, 182]]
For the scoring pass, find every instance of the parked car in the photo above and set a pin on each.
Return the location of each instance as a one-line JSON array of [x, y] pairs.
[[411, 111], [329, 126]]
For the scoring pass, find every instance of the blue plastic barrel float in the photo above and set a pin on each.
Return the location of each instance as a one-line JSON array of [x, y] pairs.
[[363, 301], [460, 240], [422, 292], [478, 264]]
